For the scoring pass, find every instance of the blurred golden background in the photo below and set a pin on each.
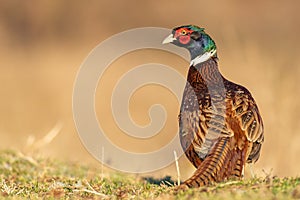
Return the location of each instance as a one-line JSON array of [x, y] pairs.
[[43, 43]]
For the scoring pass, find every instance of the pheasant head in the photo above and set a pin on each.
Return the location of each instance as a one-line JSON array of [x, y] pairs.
[[193, 38]]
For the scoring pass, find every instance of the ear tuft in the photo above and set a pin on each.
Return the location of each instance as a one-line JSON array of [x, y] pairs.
[[196, 35]]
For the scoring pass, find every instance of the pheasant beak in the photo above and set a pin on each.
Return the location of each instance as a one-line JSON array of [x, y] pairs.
[[169, 39]]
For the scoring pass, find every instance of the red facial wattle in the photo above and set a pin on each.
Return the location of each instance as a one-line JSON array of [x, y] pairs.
[[184, 39], [183, 35]]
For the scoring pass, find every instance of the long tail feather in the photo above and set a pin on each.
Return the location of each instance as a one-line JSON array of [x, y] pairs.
[[221, 163]]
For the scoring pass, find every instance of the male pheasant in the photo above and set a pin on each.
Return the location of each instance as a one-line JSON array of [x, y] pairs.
[[219, 122]]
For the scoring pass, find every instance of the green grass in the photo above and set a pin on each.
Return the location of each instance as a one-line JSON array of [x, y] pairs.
[[26, 177]]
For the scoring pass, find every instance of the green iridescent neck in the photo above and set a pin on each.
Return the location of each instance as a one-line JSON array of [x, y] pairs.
[[202, 44]]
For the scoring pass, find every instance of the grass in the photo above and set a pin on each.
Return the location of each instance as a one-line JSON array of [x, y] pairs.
[[32, 178]]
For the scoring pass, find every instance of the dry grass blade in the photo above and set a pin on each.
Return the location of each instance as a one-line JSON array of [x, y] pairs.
[[91, 190], [177, 168], [34, 145]]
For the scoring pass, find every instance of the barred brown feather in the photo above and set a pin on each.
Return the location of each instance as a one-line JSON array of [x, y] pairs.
[[220, 125]]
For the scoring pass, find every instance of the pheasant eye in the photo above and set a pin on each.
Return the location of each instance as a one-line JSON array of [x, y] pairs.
[[183, 32]]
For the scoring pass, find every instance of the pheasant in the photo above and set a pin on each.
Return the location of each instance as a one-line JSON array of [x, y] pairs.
[[220, 127]]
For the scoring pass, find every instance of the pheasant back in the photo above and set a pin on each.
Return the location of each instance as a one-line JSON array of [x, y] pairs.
[[220, 125]]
